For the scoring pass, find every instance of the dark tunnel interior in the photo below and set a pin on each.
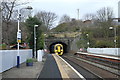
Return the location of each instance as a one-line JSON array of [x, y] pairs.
[[51, 47]]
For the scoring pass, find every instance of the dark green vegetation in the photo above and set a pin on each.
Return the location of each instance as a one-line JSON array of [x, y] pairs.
[[30, 22], [29, 60], [2, 46]]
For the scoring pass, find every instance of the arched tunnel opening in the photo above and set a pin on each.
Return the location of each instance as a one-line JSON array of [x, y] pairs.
[[65, 47]]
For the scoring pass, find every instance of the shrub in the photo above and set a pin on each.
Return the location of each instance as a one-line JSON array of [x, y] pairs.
[[3, 46], [29, 60], [118, 42], [104, 44]]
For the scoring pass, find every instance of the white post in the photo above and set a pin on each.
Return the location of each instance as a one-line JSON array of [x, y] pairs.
[[40, 54], [18, 57]]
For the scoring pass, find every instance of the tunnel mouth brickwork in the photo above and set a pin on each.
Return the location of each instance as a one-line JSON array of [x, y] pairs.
[[65, 47]]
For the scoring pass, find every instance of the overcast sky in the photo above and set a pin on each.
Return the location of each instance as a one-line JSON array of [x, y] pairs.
[[69, 7]]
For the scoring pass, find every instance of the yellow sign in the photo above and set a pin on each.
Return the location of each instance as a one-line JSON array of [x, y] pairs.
[[19, 41]]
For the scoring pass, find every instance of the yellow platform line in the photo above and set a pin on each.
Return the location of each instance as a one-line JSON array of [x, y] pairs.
[[62, 71]]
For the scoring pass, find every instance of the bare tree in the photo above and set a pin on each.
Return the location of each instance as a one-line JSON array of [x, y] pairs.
[[47, 18], [104, 19], [25, 14], [65, 18], [105, 14], [6, 16], [8, 8]]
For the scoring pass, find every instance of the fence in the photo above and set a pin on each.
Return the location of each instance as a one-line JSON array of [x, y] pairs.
[[8, 58], [108, 51]]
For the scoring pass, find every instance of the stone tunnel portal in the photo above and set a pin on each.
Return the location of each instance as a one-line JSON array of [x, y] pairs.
[[65, 47]]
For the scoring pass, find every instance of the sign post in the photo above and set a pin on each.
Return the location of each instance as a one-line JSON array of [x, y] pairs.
[[18, 41], [19, 33]]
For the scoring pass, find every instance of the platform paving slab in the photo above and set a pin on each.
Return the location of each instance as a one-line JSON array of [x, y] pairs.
[[24, 71]]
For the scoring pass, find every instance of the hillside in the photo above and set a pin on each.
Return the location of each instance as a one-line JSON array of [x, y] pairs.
[[71, 26], [98, 36]]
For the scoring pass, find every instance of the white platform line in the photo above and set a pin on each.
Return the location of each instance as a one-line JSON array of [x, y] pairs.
[[73, 68]]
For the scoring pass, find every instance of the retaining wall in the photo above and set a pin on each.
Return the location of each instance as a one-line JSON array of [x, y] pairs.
[[8, 58], [108, 51]]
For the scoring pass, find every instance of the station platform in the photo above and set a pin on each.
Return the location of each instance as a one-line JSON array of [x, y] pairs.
[[101, 55], [57, 68], [52, 67]]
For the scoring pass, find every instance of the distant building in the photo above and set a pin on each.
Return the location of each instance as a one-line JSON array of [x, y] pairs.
[[87, 21], [116, 21]]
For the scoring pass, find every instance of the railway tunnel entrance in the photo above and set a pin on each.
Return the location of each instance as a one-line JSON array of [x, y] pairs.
[[65, 47]]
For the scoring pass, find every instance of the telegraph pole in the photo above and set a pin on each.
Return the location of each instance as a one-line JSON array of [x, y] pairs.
[[78, 14], [0, 23]]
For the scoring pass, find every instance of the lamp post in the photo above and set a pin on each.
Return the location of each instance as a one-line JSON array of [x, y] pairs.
[[88, 40], [19, 34], [115, 34], [35, 52], [0, 23]]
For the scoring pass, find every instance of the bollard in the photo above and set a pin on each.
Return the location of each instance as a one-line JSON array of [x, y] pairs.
[[39, 58]]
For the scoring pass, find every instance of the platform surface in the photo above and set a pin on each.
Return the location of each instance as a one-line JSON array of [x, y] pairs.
[[50, 69]]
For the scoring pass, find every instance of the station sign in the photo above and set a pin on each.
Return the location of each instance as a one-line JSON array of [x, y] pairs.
[[19, 40], [18, 37]]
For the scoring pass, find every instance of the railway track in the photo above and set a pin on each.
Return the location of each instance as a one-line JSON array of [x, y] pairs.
[[83, 71], [112, 65], [88, 70], [106, 62], [101, 62]]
